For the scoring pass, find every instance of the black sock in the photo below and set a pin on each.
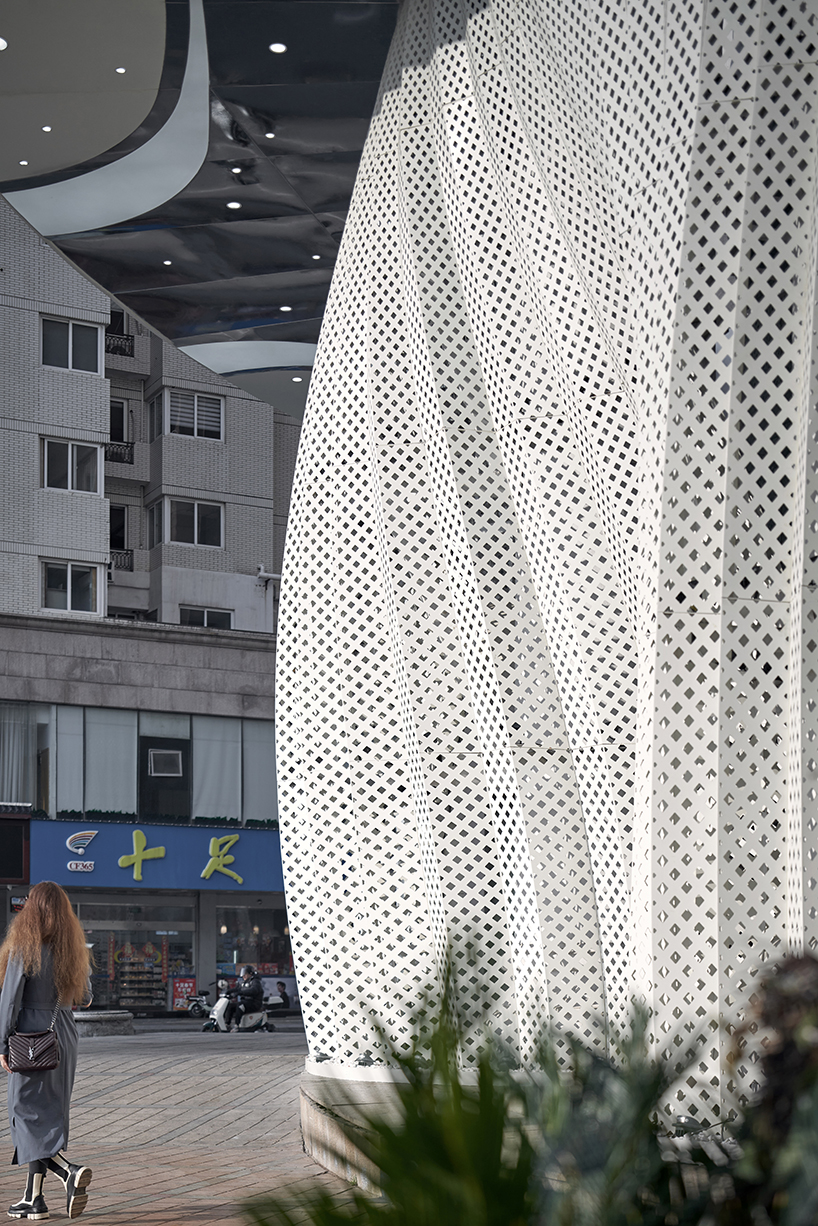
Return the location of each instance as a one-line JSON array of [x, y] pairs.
[[59, 1165]]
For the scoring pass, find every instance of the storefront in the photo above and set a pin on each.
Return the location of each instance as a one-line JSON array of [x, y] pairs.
[[167, 908]]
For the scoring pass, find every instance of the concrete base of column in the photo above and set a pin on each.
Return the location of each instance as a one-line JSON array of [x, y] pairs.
[[334, 1124]]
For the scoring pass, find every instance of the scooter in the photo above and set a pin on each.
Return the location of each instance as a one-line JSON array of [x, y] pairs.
[[247, 1023], [198, 1003]]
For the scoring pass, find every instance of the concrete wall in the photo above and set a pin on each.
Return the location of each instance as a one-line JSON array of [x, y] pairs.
[[136, 665]]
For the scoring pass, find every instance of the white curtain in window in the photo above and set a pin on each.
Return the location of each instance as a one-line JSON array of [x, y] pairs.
[[259, 769], [216, 766], [158, 723], [110, 760], [69, 759], [18, 752]]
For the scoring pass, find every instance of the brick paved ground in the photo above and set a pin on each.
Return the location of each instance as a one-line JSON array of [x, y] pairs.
[[181, 1126]]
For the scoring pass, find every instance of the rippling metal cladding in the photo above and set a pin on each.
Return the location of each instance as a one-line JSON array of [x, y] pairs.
[[546, 628]]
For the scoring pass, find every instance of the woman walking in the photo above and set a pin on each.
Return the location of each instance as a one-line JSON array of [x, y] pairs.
[[44, 962]]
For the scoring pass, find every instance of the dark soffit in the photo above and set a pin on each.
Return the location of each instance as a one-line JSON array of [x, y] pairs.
[[233, 270]]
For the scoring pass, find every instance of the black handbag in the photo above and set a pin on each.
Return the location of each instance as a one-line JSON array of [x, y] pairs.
[[36, 1052]]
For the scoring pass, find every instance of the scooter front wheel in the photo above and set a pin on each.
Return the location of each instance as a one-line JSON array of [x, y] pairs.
[[208, 1026]]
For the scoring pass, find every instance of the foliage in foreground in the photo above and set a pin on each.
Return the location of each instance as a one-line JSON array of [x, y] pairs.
[[583, 1148]]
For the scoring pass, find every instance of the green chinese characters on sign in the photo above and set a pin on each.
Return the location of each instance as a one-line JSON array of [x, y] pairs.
[[141, 852], [219, 859]]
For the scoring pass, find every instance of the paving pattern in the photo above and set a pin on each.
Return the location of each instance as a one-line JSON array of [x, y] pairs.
[[182, 1127]]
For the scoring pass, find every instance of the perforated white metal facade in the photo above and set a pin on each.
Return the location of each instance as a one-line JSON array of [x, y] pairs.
[[546, 671]]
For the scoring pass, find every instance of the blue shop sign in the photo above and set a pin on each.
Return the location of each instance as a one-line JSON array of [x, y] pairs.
[[111, 855]]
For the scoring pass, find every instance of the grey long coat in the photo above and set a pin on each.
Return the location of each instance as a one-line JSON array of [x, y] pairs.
[[38, 1102]]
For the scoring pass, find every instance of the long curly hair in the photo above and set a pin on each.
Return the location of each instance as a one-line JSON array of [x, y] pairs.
[[48, 919]]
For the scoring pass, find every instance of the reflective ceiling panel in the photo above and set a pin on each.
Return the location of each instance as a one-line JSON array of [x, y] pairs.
[[256, 228]]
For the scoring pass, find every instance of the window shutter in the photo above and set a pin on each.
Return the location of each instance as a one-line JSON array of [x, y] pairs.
[[181, 412], [209, 416]]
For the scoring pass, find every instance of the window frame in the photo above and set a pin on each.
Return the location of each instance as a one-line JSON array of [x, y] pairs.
[[196, 503], [70, 563], [119, 506], [83, 323], [119, 400], [159, 774], [203, 609], [155, 514], [164, 415], [71, 444]]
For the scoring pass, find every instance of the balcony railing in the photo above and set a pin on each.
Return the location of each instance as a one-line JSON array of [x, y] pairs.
[[119, 453], [122, 559], [122, 346]]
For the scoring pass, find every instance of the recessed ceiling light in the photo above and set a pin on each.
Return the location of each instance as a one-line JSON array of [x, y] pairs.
[[120, 69], [47, 127], [167, 261], [286, 308], [316, 257], [233, 204], [24, 163], [236, 170], [278, 48], [297, 379], [269, 135], [3, 44]]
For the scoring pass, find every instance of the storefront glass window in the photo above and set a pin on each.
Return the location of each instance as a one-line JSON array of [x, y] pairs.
[[142, 953], [255, 935]]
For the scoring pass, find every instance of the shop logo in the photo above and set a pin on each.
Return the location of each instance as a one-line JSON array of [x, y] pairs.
[[78, 843]]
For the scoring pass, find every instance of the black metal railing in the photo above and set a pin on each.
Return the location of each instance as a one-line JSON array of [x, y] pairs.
[[122, 559], [119, 453], [122, 346]]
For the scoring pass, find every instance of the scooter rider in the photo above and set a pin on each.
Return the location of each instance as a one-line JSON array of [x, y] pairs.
[[250, 997]]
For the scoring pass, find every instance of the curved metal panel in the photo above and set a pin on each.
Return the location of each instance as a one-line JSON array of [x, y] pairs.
[[140, 180], [541, 682]]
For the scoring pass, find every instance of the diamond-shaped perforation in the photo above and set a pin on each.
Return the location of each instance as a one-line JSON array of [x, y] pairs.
[[730, 49], [565, 891], [544, 671], [753, 789]]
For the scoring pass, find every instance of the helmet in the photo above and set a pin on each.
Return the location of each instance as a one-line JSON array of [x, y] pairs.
[[248, 970]]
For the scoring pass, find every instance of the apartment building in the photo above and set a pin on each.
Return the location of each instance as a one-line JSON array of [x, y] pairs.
[[144, 512]]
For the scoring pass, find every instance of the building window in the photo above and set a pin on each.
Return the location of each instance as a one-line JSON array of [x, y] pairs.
[[71, 466], [155, 533], [165, 763], [215, 619], [118, 422], [194, 414], [70, 585], [117, 325], [190, 413], [196, 523], [70, 345], [155, 414], [118, 532], [164, 777]]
